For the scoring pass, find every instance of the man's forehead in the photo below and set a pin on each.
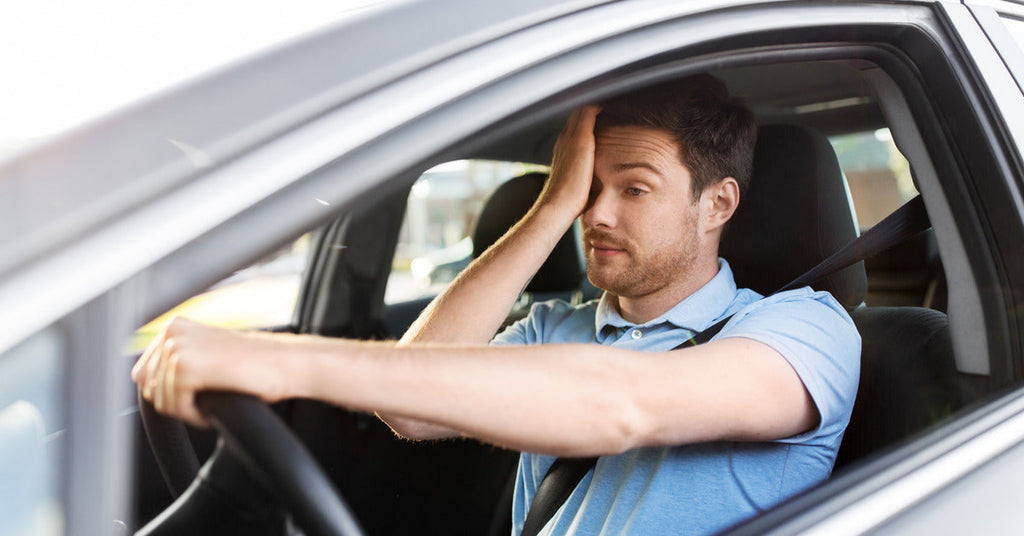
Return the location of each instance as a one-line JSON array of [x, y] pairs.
[[636, 141], [630, 146]]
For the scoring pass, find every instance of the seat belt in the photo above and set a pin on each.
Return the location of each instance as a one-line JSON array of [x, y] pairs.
[[906, 222], [565, 473]]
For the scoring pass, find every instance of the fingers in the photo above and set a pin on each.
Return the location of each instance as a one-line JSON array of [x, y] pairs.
[[157, 373], [168, 385], [579, 125], [187, 357], [573, 123], [572, 167], [586, 116], [173, 398], [138, 371], [155, 388], [152, 366]]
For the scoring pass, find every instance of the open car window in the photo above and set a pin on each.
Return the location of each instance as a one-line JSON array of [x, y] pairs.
[[260, 296], [436, 238]]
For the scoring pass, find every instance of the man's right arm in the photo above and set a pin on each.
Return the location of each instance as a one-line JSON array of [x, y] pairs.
[[475, 305]]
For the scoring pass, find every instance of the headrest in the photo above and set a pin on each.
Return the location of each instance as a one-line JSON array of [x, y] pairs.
[[563, 271], [795, 213]]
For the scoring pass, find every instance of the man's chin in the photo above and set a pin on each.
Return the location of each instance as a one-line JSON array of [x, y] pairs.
[[607, 282]]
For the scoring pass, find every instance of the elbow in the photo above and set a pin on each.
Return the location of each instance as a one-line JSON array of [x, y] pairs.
[[633, 430], [412, 429], [626, 426], [619, 416]]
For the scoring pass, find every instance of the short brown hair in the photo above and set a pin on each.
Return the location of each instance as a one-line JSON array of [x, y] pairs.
[[715, 132]]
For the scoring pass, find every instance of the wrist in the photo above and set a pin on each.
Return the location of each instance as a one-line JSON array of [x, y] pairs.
[[319, 370], [553, 215], [297, 372]]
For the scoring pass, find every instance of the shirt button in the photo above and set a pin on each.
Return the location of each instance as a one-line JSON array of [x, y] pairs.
[[636, 334]]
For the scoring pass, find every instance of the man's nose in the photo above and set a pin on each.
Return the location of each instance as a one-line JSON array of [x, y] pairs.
[[600, 210]]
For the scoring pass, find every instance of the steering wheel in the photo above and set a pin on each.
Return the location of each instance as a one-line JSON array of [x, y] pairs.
[[253, 441]]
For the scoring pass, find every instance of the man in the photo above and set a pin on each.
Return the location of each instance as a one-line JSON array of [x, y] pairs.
[[691, 440]]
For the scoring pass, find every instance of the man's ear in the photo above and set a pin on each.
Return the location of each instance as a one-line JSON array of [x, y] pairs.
[[720, 201]]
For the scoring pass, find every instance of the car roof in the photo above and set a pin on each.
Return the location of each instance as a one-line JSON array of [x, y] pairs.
[[101, 170], [104, 169], [829, 96]]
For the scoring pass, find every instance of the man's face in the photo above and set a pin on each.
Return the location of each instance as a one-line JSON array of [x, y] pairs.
[[640, 227]]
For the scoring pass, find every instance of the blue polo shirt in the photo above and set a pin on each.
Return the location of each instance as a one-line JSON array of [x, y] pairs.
[[706, 487]]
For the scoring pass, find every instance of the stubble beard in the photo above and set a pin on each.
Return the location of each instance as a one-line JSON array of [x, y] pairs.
[[646, 274]]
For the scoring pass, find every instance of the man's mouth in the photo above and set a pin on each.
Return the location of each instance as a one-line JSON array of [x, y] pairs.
[[605, 250], [606, 253]]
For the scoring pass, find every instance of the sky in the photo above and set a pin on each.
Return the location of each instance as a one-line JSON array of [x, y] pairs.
[[65, 62]]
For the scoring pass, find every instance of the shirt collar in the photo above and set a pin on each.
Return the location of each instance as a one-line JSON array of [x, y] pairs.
[[696, 313]]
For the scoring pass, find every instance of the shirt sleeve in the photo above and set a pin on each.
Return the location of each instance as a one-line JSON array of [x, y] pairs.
[[516, 334], [552, 321], [526, 330], [813, 332]]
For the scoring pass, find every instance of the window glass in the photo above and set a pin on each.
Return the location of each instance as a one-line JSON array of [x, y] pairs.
[[878, 174], [260, 296], [32, 429], [435, 242]]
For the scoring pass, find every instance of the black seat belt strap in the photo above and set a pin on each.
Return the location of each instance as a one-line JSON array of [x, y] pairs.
[[907, 221], [566, 473], [559, 482]]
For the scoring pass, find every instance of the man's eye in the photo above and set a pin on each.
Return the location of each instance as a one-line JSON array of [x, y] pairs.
[[635, 192]]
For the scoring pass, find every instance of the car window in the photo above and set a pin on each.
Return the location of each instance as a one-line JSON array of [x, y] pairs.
[[32, 425], [878, 174], [435, 242], [260, 296]]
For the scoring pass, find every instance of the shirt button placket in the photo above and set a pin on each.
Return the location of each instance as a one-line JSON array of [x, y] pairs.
[[636, 334]]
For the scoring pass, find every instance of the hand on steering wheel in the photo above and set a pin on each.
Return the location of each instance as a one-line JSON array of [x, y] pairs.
[[253, 436]]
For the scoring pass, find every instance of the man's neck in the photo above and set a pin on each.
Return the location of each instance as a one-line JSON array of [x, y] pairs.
[[641, 309]]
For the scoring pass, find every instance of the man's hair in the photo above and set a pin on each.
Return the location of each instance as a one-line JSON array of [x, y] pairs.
[[715, 132]]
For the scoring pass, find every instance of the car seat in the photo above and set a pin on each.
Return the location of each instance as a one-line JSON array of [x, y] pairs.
[[562, 275], [796, 213]]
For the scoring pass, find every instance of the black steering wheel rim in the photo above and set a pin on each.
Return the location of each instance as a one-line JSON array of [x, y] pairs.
[[169, 442], [267, 448]]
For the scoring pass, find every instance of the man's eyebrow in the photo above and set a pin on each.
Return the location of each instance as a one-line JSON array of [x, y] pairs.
[[626, 166]]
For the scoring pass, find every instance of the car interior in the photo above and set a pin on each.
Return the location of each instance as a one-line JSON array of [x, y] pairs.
[[798, 211]]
